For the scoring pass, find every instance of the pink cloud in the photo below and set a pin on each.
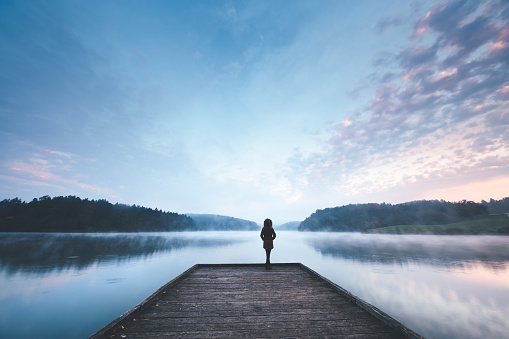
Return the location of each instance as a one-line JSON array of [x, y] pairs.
[[346, 123], [61, 154], [47, 168], [422, 26], [445, 74], [35, 169]]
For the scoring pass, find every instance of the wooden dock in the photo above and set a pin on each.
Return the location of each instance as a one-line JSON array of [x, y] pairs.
[[247, 301]]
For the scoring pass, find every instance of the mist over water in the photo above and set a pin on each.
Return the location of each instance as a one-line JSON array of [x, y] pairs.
[[71, 285], [448, 251], [46, 252]]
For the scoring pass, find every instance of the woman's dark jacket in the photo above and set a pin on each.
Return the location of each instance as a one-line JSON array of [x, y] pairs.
[[268, 235]]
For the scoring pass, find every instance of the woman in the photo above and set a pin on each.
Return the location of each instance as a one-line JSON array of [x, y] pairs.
[[268, 235]]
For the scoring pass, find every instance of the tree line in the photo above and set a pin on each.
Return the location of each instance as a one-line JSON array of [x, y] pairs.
[[73, 214], [362, 217], [497, 206], [212, 222]]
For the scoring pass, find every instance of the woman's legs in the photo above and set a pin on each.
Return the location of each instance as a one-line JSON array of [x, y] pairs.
[[267, 260]]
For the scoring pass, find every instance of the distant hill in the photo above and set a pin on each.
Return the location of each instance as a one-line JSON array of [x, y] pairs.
[[212, 222], [289, 226], [363, 217], [72, 214]]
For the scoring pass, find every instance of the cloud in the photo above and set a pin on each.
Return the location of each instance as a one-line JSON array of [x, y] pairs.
[[386, 23], [415, 125], [55, 171]]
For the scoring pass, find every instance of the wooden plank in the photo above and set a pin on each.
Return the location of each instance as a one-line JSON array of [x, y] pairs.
[[247, 301]]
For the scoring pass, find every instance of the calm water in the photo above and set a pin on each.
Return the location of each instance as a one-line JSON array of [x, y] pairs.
[[70, 286]]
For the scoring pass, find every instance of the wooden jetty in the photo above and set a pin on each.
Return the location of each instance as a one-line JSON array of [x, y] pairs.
[[248, 301]]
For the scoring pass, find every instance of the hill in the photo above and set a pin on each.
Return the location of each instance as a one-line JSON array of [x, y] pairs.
[[363, 217], [289, 226], [72, 214], [212, 222]]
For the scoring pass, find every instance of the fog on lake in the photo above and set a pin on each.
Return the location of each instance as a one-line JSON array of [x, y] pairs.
[[71, 285]]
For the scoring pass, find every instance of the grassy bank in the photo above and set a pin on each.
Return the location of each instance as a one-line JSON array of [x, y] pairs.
[[496, 224]]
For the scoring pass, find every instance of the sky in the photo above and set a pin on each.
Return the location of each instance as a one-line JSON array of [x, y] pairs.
[[254, 109]]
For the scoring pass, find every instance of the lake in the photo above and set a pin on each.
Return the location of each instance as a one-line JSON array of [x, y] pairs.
[[71, 285]]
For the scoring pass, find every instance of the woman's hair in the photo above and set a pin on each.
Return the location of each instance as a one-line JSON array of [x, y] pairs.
[[267, 223]]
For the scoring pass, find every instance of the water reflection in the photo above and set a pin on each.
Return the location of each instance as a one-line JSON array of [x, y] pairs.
[[46, 253], [448, 251], [71, 285], [440, 286]]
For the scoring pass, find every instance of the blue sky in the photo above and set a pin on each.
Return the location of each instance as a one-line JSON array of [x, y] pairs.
[[254, 109]]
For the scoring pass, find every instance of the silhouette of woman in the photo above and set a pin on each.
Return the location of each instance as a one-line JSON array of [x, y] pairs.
[[268, 235]]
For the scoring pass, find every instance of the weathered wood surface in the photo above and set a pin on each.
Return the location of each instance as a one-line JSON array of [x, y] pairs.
[[247, 301]]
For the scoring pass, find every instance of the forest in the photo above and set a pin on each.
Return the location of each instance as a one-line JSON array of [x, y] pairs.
[[363, 217], [72, 214], [497, 206], [212, 222]]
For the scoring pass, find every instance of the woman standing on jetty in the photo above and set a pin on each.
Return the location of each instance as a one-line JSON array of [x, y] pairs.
[[268, 235]]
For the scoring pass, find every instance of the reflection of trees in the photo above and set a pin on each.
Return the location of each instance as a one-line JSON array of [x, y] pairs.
[[44, 253], [454, 251]]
